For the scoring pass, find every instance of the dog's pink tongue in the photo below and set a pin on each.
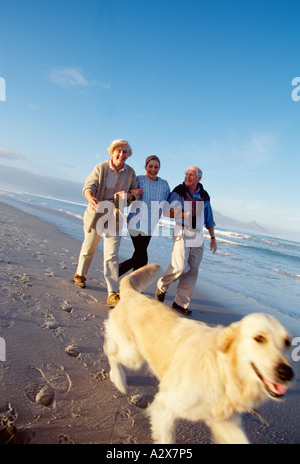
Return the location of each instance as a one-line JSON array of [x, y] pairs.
[[276, 387]]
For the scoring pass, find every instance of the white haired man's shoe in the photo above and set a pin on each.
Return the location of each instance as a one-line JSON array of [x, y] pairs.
[[113, 299], [160, 296]]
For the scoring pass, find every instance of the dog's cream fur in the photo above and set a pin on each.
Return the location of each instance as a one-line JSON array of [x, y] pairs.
[[205, 374]]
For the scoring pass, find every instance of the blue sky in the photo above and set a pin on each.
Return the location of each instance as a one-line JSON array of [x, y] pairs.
[[196, 82]]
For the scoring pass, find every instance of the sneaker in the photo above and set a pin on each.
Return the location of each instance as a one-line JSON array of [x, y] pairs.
[[180, 309], [113, 299], [160, 296], [79, 280]]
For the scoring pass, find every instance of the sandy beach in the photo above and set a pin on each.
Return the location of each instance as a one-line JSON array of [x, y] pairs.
[[54, 385]]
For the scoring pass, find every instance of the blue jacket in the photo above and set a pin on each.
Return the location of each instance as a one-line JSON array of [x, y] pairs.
[[182, 193]]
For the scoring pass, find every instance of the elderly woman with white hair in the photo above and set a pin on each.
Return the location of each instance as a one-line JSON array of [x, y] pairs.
[[110, 181]]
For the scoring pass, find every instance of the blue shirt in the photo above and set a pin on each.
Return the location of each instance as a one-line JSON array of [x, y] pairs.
[[208, 214]]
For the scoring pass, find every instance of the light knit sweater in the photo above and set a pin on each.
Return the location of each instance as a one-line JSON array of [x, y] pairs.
[[95, 182], [145, 213]]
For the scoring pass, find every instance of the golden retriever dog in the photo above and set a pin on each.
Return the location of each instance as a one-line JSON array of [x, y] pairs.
[[210, 374]]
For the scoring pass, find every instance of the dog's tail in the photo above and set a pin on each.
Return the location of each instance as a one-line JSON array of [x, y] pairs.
[[140, 278]]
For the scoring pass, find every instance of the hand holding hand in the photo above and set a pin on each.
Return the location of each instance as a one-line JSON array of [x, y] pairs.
[[136, 191], [122, 195]]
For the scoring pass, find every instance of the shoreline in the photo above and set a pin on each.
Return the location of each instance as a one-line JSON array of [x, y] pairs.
[[55, 378], [282, 302]]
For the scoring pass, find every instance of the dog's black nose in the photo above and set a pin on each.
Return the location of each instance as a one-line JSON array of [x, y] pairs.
[[284, 372]]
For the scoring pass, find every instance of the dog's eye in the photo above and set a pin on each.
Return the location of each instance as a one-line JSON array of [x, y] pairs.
[[260, 339], [287, 342]]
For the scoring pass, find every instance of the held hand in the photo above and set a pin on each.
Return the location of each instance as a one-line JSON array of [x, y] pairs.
[[188, 215], [122, 195], [177, 213], [136, 191]]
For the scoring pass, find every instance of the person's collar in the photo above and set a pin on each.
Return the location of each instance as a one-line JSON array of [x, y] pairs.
[[196, 191], [114, 169]]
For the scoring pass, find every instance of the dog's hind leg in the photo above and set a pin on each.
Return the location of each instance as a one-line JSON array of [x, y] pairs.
[[117, 375], [228, 432], [163, 421]]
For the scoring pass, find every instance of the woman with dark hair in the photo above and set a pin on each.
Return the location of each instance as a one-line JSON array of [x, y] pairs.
[[145, 213]]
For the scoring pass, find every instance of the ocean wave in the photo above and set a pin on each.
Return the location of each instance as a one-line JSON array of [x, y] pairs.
[[76, 215], [273, 241], [231, 242], [229, 255], [289, 274], [11, 193], [264, 248], [232, 234]]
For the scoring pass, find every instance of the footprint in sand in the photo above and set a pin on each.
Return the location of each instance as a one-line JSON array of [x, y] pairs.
[[64, 440], [39, 257], [73, 351], [6, 324], [88, 298], [101, 375], [117, 435], [50, 323], [8, 430], [47, 384], [139, 401], [66, 307], [49, 273], [45, 395]]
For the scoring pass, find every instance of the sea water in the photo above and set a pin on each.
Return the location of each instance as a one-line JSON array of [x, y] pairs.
[[264, 269]]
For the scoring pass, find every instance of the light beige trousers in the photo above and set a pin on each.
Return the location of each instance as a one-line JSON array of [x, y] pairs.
[[111, 245], [184, 267]]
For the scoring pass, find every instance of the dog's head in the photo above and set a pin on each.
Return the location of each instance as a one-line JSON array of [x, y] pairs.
[[260, 341]]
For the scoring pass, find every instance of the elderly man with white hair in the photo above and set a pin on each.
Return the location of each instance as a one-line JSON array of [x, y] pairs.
[[190, 206]]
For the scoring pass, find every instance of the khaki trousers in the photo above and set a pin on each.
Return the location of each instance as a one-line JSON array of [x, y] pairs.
[[184, 267], [111, 245]]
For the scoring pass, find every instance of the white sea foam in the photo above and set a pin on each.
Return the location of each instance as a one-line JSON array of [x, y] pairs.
[[76, 215], [289, 274]]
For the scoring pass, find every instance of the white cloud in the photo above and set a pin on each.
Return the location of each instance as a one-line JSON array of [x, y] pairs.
[[70, 76], [67, 76]]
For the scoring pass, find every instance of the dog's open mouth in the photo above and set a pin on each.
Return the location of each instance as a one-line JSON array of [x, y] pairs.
[[276, 390]]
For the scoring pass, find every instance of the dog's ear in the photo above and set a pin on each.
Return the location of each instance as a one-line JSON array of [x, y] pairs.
[[226, 337]]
